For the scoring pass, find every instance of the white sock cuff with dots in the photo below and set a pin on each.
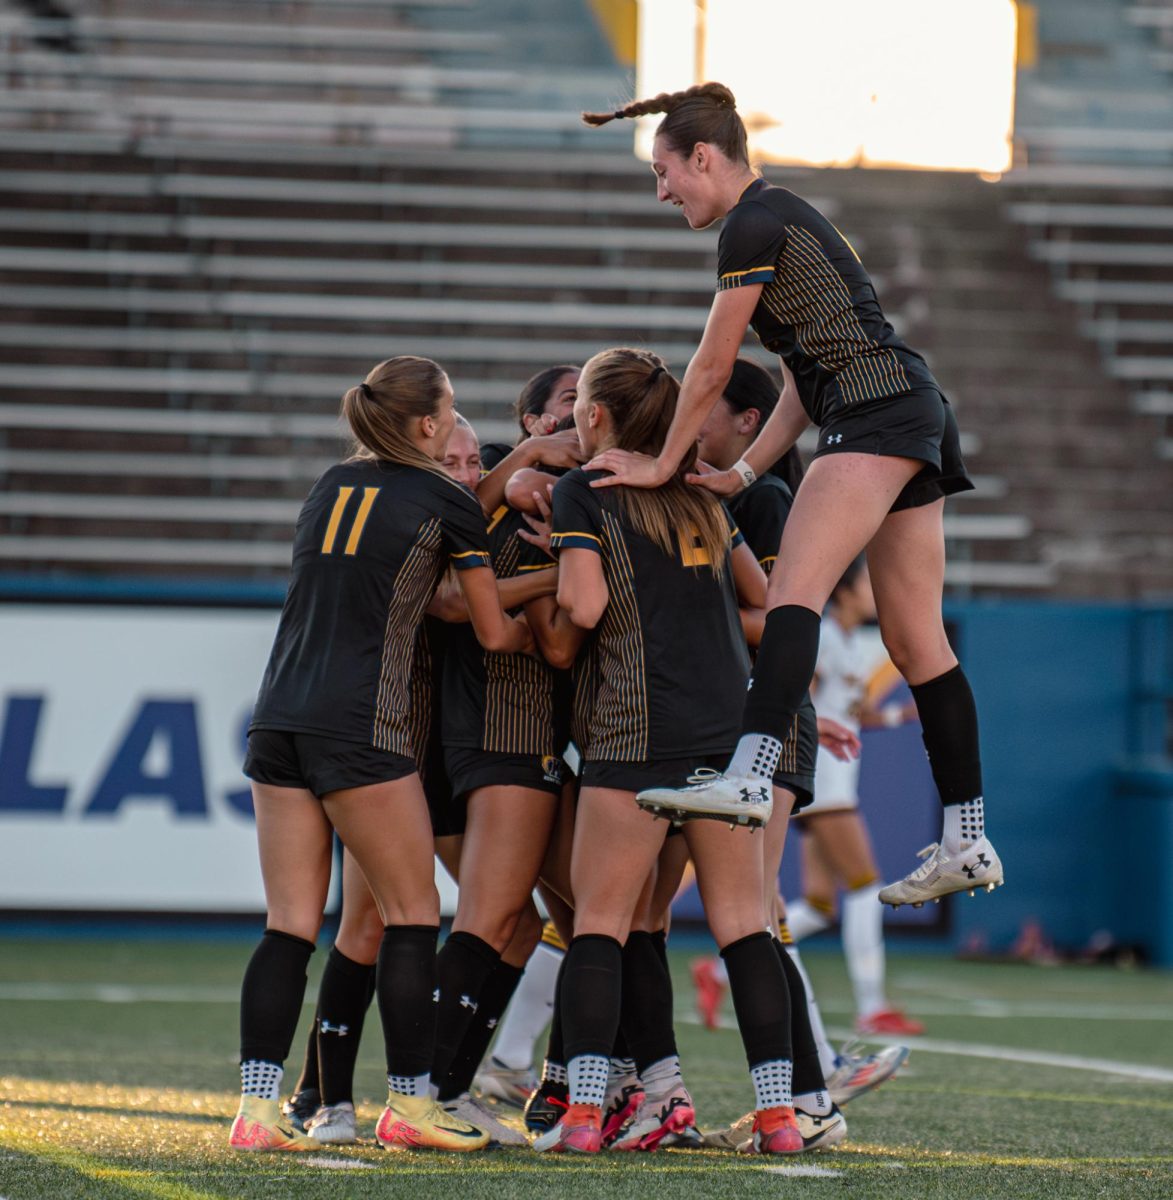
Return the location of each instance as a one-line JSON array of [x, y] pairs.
[[261, 1079], [964, 824], [771, 1083], [756, 757], [588, 1078], [410, 1085], [554, 1072]]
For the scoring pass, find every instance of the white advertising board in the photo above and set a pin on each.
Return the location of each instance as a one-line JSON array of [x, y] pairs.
[[121, 739]]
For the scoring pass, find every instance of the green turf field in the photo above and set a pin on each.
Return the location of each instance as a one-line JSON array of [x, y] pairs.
[[117, 1076]]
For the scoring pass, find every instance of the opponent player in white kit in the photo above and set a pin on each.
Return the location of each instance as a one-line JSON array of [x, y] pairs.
[[836, 850]]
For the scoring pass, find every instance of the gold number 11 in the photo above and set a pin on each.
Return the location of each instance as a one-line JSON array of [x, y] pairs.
[[360, 519]]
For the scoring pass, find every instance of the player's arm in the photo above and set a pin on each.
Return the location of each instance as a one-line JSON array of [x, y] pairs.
[[782, 429], [557, 636], [449, 603], [749, 580], [522, 486], [704, 381], [551, 450], [495, 629], [582, 588]]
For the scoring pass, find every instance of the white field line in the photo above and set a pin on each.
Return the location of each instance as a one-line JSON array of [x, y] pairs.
[[117, 993], [807, 1172], [1041, 1058], [1058, 1010]]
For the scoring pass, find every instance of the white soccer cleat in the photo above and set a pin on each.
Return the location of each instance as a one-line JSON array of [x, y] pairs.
[[334, 1124], [478, 1114], [821, 1132], [855, 1074], [944, 872], [713, 795], [507, 1084]]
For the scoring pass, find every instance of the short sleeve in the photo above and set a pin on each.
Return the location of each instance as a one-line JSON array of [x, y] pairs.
[[751, 240], [761, 518], [736, 538], [465, 533], [577, 517]]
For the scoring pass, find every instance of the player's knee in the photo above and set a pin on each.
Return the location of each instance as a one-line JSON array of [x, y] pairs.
[[299, 921]]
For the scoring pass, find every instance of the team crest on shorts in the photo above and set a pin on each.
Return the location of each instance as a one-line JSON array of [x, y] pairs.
[[551, 768]]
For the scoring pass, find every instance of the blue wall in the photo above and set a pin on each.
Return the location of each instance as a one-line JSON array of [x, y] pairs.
[[1058, 692]]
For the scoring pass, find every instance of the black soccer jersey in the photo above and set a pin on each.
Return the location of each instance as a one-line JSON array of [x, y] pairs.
[[760, 511], [372, 542], [668, 662], [818, 308], [499, 702]]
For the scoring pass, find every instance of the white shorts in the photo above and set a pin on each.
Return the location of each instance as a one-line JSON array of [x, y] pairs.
[[836, 785]]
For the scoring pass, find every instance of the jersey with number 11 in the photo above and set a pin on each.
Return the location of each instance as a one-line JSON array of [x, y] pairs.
[[371, 544]]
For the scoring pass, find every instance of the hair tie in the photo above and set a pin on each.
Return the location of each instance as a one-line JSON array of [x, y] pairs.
[[618, 115], [365, 388], [655, 375]]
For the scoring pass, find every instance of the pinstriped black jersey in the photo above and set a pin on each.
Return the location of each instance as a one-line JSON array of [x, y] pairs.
[[665, 673], [502, 703], [760, 511], [372, 542], [818, 308]]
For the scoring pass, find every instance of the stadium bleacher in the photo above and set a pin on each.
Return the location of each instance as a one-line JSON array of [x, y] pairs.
[[211, 225]]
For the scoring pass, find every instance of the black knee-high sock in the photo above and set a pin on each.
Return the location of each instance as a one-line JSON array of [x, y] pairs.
[[463, 967], [948, 718], [271, 996], [555, 1043], [646, 1014], [344, 996], [783, 670], [590, 995], [761, 998], [495, 997], [808, 1073], [405, 982], [308, 1081]]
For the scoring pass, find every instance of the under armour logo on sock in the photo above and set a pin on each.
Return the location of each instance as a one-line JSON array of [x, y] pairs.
[[491, 1023], [468, 1002], [324, 1026], [971, 871], [436, 996]]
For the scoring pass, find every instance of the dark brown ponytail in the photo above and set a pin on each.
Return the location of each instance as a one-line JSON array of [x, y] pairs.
[[706, 112]]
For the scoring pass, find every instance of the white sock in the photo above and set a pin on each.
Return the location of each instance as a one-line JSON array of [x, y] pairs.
[[964, 824], [529, 1011], [261, 1079], [771, 1083], [863, 947], [411, 1085], [826, 1054], [621, 1069], [817, 1104], [588, 1078], [804, 919], [662, 1076], [553, 1072], [756, 757]]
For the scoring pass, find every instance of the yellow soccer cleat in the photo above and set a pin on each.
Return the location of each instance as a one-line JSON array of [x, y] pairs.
[[419, 1123], [261, 1125]]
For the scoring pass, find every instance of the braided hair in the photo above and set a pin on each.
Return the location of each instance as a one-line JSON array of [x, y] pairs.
[[705, 112]]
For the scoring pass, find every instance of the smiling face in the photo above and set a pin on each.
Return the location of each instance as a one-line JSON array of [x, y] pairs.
[[689, 183], [462, 459]]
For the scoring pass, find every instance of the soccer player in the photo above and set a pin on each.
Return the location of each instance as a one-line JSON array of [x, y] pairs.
[[330, 743], [646, 596], [546, 399], [888, 455]]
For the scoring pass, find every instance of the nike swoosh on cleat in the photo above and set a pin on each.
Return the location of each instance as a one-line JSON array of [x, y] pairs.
[[465, 1133]]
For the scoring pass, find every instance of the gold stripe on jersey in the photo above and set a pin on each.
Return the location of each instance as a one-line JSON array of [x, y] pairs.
[[519, 688], [784, 935], [810, 295], [497, 517], [420, 710], [619, 728], [344, 494], [415, 583], [551, 937], [369, 495]]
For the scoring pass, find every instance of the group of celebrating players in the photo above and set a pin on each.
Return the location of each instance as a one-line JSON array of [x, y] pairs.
[[524, 670]]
